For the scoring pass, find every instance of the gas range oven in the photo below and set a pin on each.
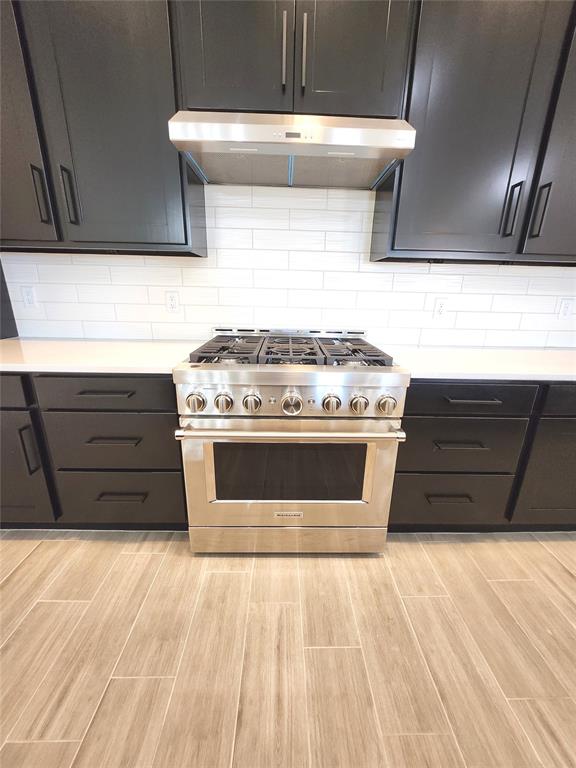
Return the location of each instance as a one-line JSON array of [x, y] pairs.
[[289, 441]]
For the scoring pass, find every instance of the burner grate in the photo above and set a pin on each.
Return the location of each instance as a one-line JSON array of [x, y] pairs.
[[239, 349], [290, 350], [352, 351]]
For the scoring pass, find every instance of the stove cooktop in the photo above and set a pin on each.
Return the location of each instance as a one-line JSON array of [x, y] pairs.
[[290, 350]]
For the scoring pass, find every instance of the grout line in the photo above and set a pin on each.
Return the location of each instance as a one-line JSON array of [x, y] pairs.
[[19, 563], [304, 659], [44, 741], [330, 647], [233, 745], [142, 677]]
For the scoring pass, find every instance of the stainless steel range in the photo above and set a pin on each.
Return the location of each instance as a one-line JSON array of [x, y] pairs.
[[289, 441]]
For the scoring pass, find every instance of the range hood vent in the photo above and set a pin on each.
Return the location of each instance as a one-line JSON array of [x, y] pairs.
[[290, 150]]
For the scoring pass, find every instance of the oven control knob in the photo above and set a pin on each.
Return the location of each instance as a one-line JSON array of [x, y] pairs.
[[331, 403], [358, 405], [252, 403], [223, 402], [196, 402], [386, 404], [291, 404]]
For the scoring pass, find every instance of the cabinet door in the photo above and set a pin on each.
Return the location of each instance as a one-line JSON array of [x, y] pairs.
[[104, 77], [482, 81], [548, 492], [235, 54], [25, 205], [23, 493], [351, 57], [552, 230]]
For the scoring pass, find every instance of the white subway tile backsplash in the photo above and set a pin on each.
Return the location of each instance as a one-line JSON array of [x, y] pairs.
[[289, 257], [291, 240]]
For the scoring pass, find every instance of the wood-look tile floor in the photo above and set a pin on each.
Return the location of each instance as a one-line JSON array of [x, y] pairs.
[[125, 650]]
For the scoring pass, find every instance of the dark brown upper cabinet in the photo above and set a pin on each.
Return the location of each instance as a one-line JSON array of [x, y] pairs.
[[25, 205], [235, 54], [551, 231], [340, 57], [351, 57], [104, 81], [483, 76]]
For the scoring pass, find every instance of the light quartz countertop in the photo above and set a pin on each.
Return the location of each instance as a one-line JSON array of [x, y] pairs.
[[133, 357]]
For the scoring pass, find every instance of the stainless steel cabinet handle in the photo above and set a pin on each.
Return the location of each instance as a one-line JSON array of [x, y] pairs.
[[458, 401], [285, 437], [133, 442], [284, 44], [29, 449], [437, 499], [511, 210], [39, 181], [122, 498], [70, 195], [445, 445], [304, 47], [540, 207]]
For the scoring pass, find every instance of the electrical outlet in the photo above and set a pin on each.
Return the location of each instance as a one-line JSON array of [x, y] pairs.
[[565, 308], [172, 301], [440, 306], [28, 296]]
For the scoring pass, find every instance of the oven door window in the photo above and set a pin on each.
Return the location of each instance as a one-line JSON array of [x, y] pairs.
[[289, 471]]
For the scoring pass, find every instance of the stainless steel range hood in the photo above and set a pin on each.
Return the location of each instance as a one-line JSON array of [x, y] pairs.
[[290, 150]]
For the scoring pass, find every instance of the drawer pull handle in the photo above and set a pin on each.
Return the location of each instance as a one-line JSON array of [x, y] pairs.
[[29, 449], [126, 393], [134, 498], [435, 499], [458, 401], [131, 441], [444, 445]]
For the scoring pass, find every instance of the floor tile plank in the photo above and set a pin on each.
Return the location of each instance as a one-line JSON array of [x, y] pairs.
[[327, 614], [494, 555], [29, 653], [126, 728], [423, 751], [20, 590], [551, 725], [227, 563], [147, 542], [562, 544], [271, 730], [411, 569], [275, 579], [13, 551], [46, 754], [67, 698], [157, 638], [517, 665], [548, 629], [343, 724], [205, 695], [405, 697], [483, 723]]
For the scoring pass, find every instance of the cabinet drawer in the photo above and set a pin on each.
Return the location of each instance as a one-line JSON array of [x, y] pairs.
[[106, 393], [112, 440], [121, 498], [478, 399], [457, 500], [12, 392], [560, 400], [460, 444]]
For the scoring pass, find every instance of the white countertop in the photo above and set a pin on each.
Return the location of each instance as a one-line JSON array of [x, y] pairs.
[[132, 357]]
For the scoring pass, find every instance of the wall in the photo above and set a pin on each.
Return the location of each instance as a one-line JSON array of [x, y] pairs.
[[290, 258]]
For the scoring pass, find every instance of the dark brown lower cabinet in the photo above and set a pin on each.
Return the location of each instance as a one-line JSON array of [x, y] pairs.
[[548, 492], [24, 497], [449, 500], [121, 499]]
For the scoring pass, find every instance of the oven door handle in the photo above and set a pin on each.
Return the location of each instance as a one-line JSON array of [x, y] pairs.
[[290, 437]]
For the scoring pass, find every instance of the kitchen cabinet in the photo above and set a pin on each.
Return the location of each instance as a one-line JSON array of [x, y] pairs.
[[552, 227], [104, 81], [235, 55], [25, 206], [351, 57], [483, 76], [24, 495], [339, 57]]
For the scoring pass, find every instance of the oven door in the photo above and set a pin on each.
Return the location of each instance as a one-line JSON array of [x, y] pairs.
[[292, 473]]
